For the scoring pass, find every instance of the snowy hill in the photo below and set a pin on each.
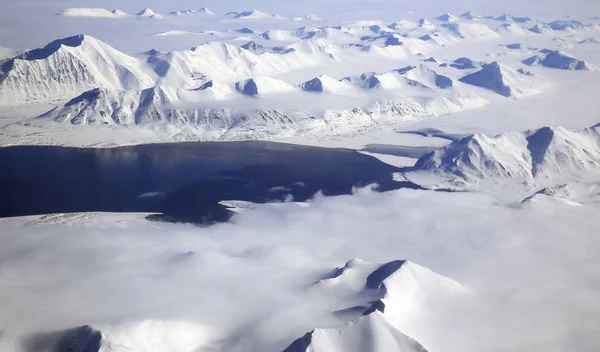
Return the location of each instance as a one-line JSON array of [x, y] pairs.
[[67, 67], [546, 153], [447, 18], [500, 79]]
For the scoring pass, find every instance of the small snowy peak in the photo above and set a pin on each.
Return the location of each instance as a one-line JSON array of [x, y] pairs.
[[464, 63], [202, 11], [256, 15], [381, 81], [426, 76], [373, 333], [572, 194], [119, 13], [500, 79], [423, 23], [419, 76], [263, 85], [470, 15], [93, 12], [558, 60], [590, 41], [544, 154], [148, 13], [393, 40], [258, 49], [447, 18], [406, 287], [512, 28], [212, 90], [432, 60], [540, 28], [245, 30], [402, 25], [513, 19], [324, 83], [281, 35], [566, 25], [310, 17], [338, 33], [404, 291], [470, 31], [205, 11], [514, 46]]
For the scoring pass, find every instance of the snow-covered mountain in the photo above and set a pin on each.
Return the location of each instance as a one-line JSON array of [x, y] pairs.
[[500, 79], [148, 13], [373, 332], [558, 60], [66, 68], [402, 290], [544, 154], [185, 109], [419, 76]]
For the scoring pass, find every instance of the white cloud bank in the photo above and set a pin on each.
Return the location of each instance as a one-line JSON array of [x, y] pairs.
[[245, 286]]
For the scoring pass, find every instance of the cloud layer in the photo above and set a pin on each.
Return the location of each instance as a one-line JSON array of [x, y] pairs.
[[245, 285]]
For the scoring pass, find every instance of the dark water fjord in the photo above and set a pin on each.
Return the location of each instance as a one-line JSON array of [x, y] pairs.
[[183, 181]]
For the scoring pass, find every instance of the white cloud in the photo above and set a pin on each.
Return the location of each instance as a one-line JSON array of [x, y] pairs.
[[246, 282]]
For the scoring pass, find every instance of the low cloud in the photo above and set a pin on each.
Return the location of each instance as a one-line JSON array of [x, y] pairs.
[[246, 283]]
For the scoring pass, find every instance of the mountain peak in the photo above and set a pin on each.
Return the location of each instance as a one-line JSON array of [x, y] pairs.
[[498, 78], [148, 13], [54, 46]]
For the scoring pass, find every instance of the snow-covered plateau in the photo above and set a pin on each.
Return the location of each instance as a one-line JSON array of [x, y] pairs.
[[481, 119]]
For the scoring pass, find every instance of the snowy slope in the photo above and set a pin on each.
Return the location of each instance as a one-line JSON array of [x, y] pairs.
[[67, 67]]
